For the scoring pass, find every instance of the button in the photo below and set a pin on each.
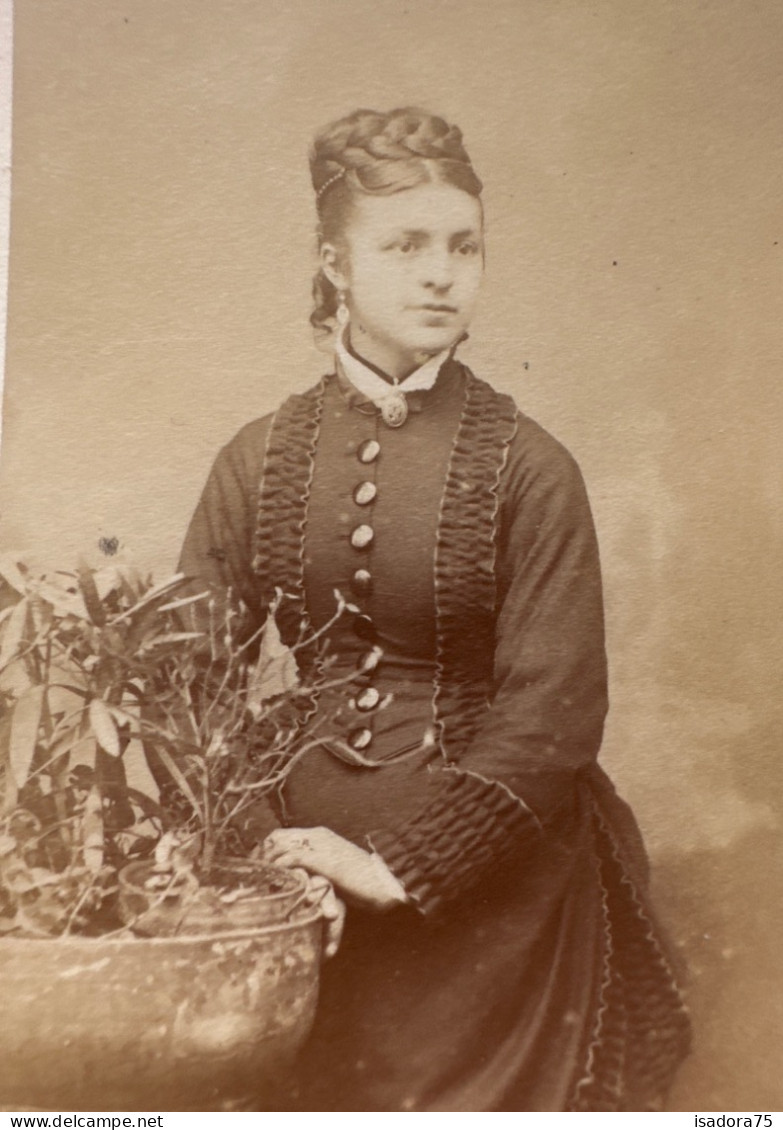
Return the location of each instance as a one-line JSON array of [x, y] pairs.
[[360, 739], [362, 536], [369, 451], [364, 628], [361, 582], [368, 699], [369, 661], [364, 494]]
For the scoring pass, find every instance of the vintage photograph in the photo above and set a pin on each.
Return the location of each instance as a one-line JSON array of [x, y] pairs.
[[389, 542]]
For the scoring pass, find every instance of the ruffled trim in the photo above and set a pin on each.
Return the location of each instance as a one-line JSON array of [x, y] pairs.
[[283, 497], [600, 1086], [465, 825], [465, 554], [466, 822], [642, 1028]]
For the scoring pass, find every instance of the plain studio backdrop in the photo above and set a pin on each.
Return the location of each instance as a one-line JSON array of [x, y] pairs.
[[161, 254]]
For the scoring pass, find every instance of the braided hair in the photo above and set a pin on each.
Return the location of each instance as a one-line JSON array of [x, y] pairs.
[[378, 154]]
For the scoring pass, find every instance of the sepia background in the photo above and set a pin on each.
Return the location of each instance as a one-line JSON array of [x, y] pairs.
[[161, 254]]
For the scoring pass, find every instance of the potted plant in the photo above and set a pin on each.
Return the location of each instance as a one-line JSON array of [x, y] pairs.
[[145, 958]]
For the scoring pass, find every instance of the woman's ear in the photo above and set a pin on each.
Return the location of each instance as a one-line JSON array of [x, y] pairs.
[[330, 265]]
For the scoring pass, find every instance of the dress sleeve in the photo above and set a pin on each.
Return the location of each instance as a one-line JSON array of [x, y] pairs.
[[218, 546], [517, 779]]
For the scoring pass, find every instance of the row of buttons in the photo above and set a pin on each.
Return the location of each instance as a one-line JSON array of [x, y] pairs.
[[362, 537], [367, 699]]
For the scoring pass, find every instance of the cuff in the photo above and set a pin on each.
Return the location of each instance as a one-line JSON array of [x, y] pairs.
[[465, 825]]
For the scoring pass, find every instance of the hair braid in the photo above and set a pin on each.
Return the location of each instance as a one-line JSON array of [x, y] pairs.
[[378, 154]]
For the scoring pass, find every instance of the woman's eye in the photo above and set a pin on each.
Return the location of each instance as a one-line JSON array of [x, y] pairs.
[[406, 246], [468, 248]]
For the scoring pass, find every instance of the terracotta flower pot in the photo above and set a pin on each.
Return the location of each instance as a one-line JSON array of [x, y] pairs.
[[208, 1021]]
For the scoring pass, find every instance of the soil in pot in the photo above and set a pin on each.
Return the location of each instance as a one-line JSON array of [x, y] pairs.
[[234, 895]]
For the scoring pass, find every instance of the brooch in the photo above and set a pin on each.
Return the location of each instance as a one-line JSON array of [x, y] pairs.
[[394, 409]]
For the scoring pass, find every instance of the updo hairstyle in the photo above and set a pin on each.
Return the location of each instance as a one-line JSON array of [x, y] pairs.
[[377, 154]]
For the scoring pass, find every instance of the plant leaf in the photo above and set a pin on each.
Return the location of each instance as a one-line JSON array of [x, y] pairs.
[[150, 808], [14, 633], [183, 600], [90, 595], [123, 717], [179, 777], [9, 791], [103, 727], [25, 721], [171, 637], [13, 572], [72, 688], [106, 580], [63, 602], [274, 673], [92, 830], [65, 744], [157, 592], [42, 615], [87, 753]]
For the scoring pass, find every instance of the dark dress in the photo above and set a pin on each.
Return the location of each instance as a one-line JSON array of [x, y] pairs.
[[527, 972]]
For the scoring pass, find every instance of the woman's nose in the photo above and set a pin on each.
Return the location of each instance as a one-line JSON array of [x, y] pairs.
[[438, 271]]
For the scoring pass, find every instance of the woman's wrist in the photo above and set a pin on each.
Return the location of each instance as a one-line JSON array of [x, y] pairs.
[[390, 889], [361, 877]]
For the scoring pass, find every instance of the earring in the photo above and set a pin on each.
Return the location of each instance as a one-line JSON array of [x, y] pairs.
[[343, 314]]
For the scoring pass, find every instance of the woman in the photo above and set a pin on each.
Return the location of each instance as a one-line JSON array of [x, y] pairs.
[[499, 951]]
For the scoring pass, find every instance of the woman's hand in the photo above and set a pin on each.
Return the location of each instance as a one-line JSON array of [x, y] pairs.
[[361, 878], [320, 893]]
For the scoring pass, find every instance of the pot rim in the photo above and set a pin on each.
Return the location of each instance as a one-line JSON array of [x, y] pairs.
[[82, 941]]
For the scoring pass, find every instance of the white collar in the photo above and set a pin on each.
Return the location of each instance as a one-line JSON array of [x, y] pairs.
[[375, 388]]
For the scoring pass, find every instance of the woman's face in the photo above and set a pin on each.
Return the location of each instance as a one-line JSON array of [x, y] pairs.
[[415, 261]]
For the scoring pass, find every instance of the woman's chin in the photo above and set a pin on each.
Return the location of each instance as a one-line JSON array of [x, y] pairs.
[[435, 341]]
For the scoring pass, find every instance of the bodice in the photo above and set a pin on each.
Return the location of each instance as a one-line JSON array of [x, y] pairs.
[[403, 523], [371, 534]]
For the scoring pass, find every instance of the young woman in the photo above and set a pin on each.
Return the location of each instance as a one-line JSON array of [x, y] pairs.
[[499, 950]]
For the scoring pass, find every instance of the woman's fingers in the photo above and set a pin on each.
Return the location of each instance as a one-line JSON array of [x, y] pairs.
[[284, 839], [306, 878], [317, 888], [334, 930], [315, 849], [333, 910], [289, 847], [320, 893]]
